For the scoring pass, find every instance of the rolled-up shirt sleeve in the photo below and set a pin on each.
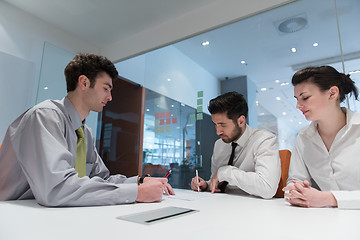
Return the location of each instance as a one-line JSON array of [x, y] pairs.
[[297, 169], [264, 180]]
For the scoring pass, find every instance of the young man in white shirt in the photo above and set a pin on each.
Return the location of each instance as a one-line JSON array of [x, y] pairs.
[[244, 158]]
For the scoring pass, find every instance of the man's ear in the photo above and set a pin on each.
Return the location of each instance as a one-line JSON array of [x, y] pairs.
[[334, 92], [241, 121], [83, 82]]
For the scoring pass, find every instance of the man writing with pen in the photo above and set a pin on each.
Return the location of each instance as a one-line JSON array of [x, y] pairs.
[[49, 154], [244, 159]]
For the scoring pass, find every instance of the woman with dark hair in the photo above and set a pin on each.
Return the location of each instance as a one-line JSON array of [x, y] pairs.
[[328, 150]]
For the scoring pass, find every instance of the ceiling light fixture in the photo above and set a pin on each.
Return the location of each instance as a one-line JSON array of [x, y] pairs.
[[284, 113], [315, 44], [355, 71], [292, 24], [243, 62], [263, 89], [278, 98], [277, 81], [293, 50], [46, 88], [284, 84], [300, 123], [206, 43], [169, 79], [147, 110]]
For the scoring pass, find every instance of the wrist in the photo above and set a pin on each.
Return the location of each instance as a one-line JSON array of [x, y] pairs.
[[332, 202], [141, 179]]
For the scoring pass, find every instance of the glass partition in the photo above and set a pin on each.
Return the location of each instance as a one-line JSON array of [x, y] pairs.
[[169, 139], [266, 49]]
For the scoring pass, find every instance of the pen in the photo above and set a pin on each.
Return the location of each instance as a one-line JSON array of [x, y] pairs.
[[168, 173], [197, 179]]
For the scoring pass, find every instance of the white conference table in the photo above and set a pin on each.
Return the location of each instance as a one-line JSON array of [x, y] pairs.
[[220, 216]]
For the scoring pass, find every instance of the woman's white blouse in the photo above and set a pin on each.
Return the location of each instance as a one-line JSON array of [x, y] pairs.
[[336, 170]]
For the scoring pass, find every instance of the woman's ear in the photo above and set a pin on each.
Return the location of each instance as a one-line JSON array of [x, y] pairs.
[[334, 93]]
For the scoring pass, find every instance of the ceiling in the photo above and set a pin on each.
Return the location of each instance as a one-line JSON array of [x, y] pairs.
[[255, 40], [113, 20]]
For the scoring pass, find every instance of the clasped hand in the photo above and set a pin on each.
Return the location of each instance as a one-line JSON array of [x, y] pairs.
[[303, 195]]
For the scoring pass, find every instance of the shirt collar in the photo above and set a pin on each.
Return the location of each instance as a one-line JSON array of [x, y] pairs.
[[72, 114], [352, 118], [245, 136]]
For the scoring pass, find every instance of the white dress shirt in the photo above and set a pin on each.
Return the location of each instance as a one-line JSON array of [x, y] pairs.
[[256, 166], [336, 170], [37, 160]]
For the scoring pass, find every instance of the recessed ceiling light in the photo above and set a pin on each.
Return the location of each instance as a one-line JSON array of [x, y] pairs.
[[284, 84], [263, 89], [277, 81], [293, 49], [315, 44], [147, 110], [257, 103], [172, 105], [169, 79], [284, 113], [46, 88], [261, 114], [300, 123], [243, 62], [205, 43], [278, 98]]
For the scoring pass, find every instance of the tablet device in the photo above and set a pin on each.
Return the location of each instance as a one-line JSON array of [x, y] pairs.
[[157, 215]]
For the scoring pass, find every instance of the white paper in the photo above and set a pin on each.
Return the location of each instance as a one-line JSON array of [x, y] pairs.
[[189, 195]]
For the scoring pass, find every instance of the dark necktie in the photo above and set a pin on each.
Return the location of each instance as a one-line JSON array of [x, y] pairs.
[[223, 184]]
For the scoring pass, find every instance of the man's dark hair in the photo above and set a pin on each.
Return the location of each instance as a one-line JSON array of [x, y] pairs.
[[89, 65], [231, 103]]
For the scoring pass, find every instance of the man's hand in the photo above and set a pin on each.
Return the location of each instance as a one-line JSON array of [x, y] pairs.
[[167, 187], [214, 184], [301, 194], [151, 190], [202, 184]]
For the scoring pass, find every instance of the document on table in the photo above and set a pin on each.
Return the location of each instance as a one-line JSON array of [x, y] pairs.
[[189, 195]]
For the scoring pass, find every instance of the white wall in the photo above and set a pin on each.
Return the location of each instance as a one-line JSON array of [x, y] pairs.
[[22, 38], [187, 78]]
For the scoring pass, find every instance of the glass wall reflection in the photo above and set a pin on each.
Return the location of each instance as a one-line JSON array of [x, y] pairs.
[[266, 50], [169, 139]]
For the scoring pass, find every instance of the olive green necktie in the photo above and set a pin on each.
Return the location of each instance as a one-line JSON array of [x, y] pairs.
[[80, 162]]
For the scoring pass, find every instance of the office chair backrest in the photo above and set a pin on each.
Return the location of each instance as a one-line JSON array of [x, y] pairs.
[[285, 156]]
